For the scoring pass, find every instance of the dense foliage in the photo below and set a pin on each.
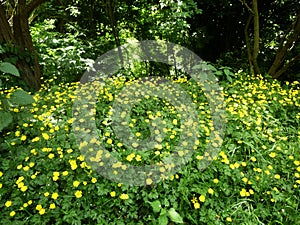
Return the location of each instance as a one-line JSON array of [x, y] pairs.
[[255, 179], [50, 176]]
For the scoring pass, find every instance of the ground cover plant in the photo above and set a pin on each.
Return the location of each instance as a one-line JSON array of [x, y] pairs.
[[44, 179]]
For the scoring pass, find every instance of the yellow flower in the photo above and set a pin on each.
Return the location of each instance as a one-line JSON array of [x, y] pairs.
[[24, 188], [78, 194], [46, 136], [124, 196], [73, 164], [46, 194], [109, 141], [149, 181], [135, 145], [199, 157], [243, 192], [52, 206], [112, 194], [94, 180], [42, 211], [81, 158], [210, 191], [38, 207], [245, 179], [35, 139], [216, 181], [202, 198], [51, 156], [180, 153], [12, 213], [175, 122], [272, 154], [23, 137], [130, 157], [65, 173], [138, 158], [196, 205], [8, 203], [76, 183], [56, 174], [54, 195], [277, 176], [228, 219]]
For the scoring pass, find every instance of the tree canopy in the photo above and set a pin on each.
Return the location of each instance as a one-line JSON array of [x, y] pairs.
[[259, 36]]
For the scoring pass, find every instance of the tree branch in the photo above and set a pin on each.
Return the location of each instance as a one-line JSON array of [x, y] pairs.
[[247, 6], [33, 5], [286, 66]]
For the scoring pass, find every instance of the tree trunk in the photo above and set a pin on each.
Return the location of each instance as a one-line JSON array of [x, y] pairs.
[[6, 34], [252, 52], [256, 36], [287, 43], [110, 12], [19, 34]]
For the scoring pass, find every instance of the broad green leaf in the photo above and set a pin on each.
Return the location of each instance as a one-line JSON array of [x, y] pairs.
[[5, 119], [163, 220], [174, 216], [156, 205], [9, 68], [20, 97]]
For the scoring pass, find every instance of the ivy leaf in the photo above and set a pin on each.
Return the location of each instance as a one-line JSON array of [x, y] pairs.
[[5, 119], [174, 216], [20, 97], [9, 68]]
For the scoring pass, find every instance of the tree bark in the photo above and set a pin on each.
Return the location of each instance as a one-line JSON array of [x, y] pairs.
[[287, 43], [19, 34], [6, 34], [110, 12], [248, 44], [256, 36], [252, 52]]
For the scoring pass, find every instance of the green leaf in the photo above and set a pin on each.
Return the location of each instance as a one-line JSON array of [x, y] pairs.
[[20, 97], [174, 216], [9, 68], [5, 119], [156, 205], [163, 220], [229, 78], [228, 72]]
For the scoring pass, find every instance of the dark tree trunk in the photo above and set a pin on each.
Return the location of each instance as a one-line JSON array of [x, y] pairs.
[[287, 43], [252, 52], [19, 35]]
